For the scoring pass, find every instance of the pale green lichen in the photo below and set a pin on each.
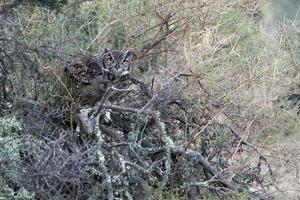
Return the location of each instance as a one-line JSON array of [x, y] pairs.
[[9, 125], [9, 149], [7, 193], [24, 194]]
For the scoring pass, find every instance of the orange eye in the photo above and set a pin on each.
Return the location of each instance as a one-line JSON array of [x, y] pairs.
[[125, 61], [110, 60]]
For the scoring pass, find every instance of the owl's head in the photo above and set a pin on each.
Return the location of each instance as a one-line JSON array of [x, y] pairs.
[[116, 62]]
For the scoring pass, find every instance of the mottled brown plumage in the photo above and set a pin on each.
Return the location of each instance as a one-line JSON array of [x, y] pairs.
[[85, 69]]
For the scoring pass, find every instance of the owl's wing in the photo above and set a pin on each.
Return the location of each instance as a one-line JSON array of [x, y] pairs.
[[85, 70]]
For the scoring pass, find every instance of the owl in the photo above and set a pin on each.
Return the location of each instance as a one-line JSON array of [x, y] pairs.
[[115, 63], [111, 64], [95, 73]]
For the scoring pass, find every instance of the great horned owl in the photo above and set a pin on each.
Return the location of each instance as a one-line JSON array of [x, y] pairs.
[[115, 63], [95, 73]]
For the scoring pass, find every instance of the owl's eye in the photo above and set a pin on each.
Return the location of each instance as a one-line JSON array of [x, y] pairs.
[[125, 61], [110, 60]]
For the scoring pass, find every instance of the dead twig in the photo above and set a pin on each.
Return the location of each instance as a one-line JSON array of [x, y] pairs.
[[162, 89]]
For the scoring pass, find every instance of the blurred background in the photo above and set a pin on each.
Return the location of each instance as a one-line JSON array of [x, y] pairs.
[[285, 9]]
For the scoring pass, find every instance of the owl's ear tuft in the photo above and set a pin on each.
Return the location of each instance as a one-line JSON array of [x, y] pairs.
[[129, 53], [106, 50]]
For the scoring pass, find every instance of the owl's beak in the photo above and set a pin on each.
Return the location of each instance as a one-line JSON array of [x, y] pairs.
[[104, 69], [125, 72]]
